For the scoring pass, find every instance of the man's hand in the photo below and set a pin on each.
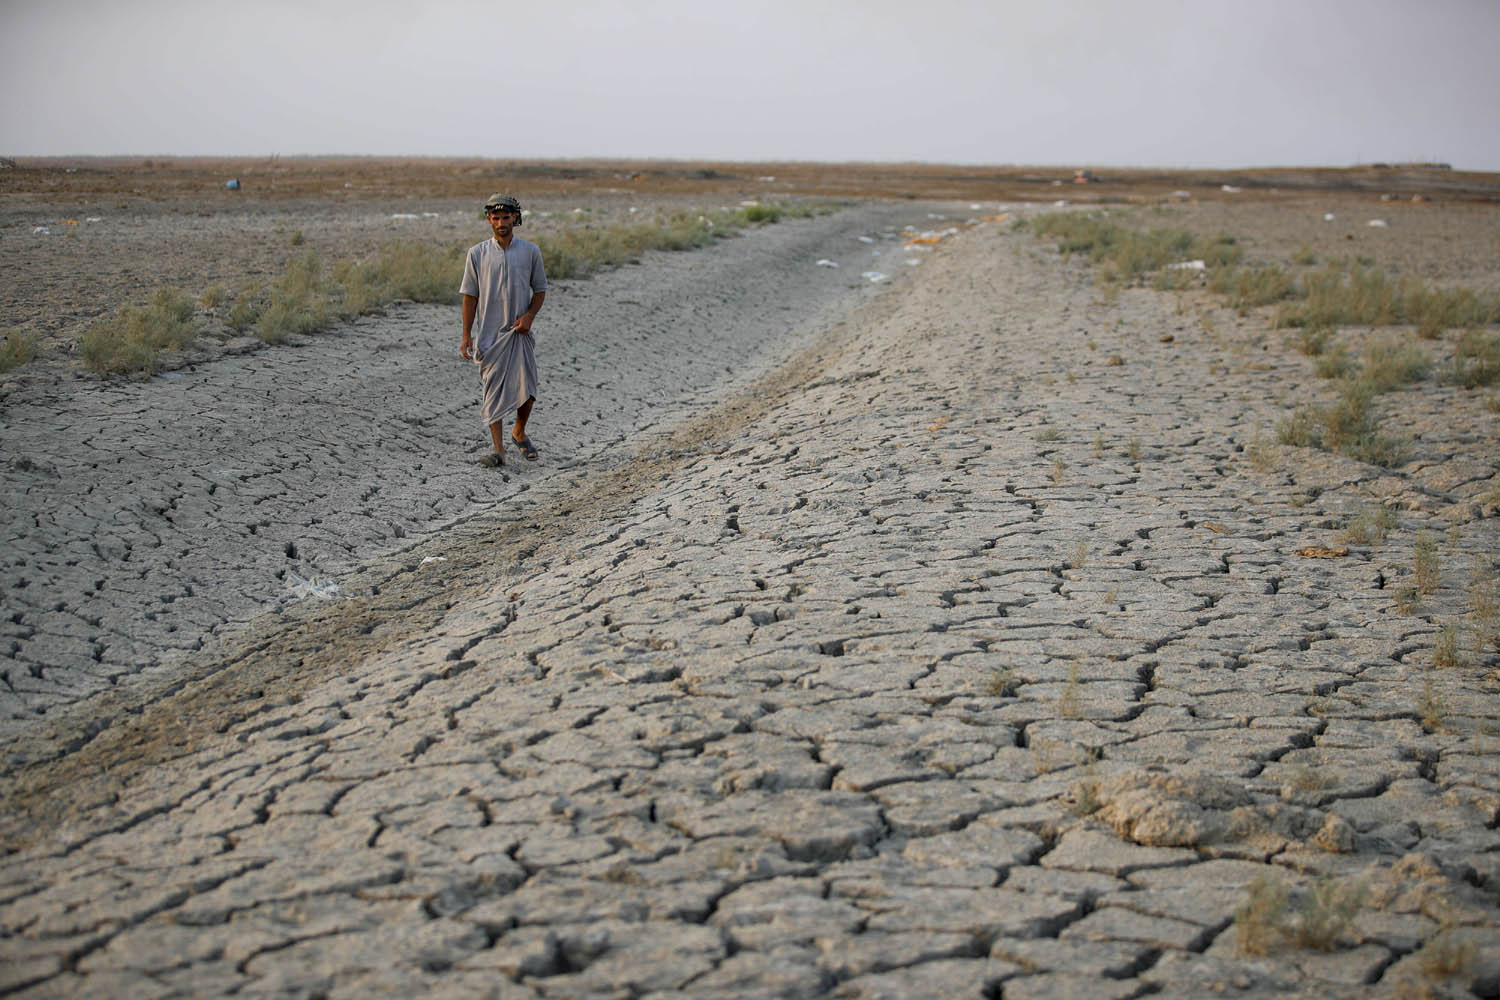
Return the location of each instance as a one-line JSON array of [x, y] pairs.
[[466, 347], [522, 325]]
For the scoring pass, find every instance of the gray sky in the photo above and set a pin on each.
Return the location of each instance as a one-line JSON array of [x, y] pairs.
[[1208, 83]]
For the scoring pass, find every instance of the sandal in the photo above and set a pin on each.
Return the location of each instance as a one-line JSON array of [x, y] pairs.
[[527, 448]]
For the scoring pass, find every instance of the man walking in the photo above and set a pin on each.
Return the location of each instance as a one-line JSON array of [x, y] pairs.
[[504, 286]]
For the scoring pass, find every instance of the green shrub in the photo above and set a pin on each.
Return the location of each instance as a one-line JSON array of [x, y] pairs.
[[760, 213], [132, 340], [17, 348]]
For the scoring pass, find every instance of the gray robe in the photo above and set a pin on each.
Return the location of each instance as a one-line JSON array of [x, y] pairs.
[[503, 280]]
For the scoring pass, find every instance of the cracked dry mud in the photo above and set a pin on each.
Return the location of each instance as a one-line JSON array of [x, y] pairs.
[[958, 647]]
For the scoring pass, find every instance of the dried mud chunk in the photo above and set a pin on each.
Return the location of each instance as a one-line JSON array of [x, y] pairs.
[[1169, 811]]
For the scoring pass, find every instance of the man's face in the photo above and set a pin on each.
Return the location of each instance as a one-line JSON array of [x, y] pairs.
[[502, 221]]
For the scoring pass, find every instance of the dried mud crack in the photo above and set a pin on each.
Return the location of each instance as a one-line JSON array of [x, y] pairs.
[[964, 648]]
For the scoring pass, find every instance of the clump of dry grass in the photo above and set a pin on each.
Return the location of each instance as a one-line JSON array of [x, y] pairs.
[[1253, 286], [1426, 563], [1338, 295], [1476, 359], [298, 301], [1370, 526], [132, 340], [17, 348], [1273, 916], [1430, 708], [1447, 650], [1124, 254], [1349, 426]]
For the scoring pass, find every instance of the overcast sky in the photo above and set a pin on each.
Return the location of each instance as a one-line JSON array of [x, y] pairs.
[[1216, 83]]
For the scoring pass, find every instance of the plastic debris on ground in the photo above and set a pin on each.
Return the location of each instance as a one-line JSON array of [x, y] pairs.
[[913, 261], [1188, 265], [403, 215], [825, 262], [1377, 223], [1328, 216], [1230, 189], [433, 559], [301, 588], [867, 239], [232, 184], [43, 230], [873, 275]]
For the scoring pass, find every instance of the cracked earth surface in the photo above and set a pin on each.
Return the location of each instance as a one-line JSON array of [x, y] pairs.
[[961, 647]]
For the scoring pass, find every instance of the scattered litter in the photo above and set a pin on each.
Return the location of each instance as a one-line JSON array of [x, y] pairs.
[[867, 239], [70, 222], [1230, 189], [996, 218], [975, 206], [429, 215], [767, 180], [403, 215], [825, 262], [1323, 552], [917, 248], [43, 230], [300, 588], [232, 184], [924, 240], [1217, 529], [913, 261], [873, 275], [749, 204], [1061, 202], [1179, 193], [433, 559], [633, 210], [93, 218], [1376, 223], [1188, 265], [1328, 216]]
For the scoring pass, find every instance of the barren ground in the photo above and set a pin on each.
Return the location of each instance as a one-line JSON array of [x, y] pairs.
[[961, 633]]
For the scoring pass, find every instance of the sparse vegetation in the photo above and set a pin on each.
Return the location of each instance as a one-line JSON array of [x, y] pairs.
[[1004, 683], [1476, 360], [1406, 598], [16, 349], [309, 295], [1370, 526], [132, 340], [1447, 649], [1348, 426], [1426, 563], [1446, 956], [298, 301], [1124, 254], [1067, 704], [1273, 916], [1430, 709]]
